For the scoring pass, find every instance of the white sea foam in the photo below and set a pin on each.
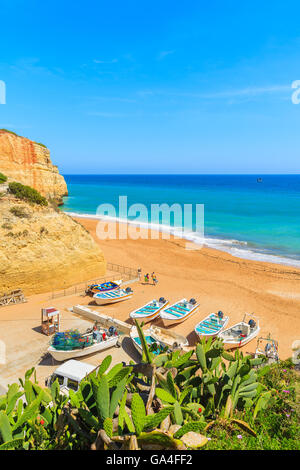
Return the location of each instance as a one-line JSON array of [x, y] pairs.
[[237, 248]]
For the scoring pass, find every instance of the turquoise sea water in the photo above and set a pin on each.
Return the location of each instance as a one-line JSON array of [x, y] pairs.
[[250, 219]]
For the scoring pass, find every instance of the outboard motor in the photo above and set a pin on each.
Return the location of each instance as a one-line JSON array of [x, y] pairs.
[[162, 300], [252, 324], [193, 301], [220, 314], [268, 349], [112, 331], [128, 290]]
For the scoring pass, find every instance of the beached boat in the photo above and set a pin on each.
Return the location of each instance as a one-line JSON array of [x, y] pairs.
[[149, 311], [112, 297], [158, 339], [179, 311], [212, 325], [104, 287], [241, 333], [71, 343]]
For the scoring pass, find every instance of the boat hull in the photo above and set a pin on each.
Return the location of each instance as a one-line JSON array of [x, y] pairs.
[[134, 335], [102, 301], [236, 343], [146, 318], [99, 290], [159, 335], [213, 334], [60, 355], [172, 321]]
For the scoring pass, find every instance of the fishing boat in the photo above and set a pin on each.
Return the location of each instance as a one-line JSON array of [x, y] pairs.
[[118, 295], [241, 333], [212, 325], [104, 287], [72, 343], [150, 310], [158, 339], [179, 311]]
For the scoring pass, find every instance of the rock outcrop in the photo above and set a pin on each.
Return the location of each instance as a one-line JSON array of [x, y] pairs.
[[42, 249], [29, 163]]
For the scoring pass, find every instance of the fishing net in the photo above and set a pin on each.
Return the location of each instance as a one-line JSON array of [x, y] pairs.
[[71, 339]]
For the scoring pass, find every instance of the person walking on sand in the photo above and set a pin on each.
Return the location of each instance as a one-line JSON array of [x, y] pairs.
[[154, 279], [147, 278]]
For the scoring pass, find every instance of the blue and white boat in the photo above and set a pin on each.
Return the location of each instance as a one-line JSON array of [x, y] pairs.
[[158, 339], [112, 297], [150, 310], [104, 287], [212, 325], [179, 311]]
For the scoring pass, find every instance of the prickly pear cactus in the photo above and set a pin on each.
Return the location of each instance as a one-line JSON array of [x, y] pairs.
[[158, 437], [193, 426], [194, 440], [103, 399], [138, 413]]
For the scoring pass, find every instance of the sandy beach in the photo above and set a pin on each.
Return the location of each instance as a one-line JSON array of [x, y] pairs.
[[216, 279]]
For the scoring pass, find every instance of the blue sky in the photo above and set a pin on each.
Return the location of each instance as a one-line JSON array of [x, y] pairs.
[[154, 87]]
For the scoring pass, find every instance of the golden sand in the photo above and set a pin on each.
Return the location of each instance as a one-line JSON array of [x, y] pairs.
[[216, 279]]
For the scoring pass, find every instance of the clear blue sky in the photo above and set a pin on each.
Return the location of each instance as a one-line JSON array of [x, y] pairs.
[[154, 86]]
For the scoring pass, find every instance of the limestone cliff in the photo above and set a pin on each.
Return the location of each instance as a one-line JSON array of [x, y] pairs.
[[29, 163], [42, 249]]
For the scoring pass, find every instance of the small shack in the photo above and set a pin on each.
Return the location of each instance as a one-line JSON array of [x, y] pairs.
[[50, 320], [13, 297]]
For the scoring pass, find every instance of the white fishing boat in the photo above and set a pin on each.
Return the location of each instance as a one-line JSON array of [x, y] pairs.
[[112, 297], [70, 344], [211, 325], [150, 310], [179, 311], [241, 333], [160, 338]]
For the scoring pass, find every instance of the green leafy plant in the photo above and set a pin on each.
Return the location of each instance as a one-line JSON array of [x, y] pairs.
[[3, 178], [27, 193]]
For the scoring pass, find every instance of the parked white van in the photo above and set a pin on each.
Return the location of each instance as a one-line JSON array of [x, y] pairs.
[[70, 374]]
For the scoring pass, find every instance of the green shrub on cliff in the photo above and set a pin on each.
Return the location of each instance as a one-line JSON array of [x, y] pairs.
[[42, 145], [19, 212], [27, 193], [3, 178], [10, 132]]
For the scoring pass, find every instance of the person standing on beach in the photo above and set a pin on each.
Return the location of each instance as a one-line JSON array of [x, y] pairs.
[[147, 278], [154, 279]]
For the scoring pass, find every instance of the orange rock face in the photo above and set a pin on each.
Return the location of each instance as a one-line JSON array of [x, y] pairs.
[[29, 163]]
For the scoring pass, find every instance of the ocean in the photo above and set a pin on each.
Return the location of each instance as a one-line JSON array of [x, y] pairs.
[[245, 217]]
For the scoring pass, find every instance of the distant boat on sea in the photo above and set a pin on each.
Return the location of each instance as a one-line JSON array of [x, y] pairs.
[[259, 180]]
